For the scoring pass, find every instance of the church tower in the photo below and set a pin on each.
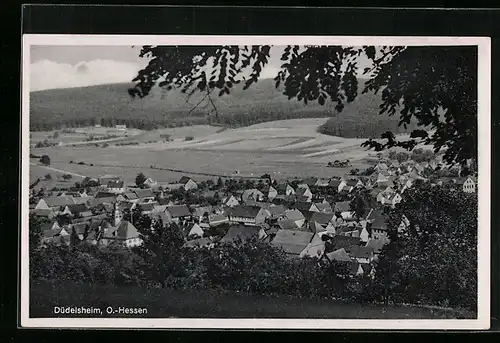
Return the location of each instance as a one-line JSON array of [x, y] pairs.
[[118, 215]]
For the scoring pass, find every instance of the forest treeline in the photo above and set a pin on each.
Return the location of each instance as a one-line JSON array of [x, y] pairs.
[[110, 105]]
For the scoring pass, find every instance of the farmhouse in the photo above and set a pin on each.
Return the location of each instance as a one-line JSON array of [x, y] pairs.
[[337, 184], [121, 127], [194, 230], [241, 233], [54, 203], [306, 206], [343, 208], [252, 195], [293, 242], [188, 183], [324, 207], [178, 213], [285, 189], [230, 201], [199, 243], [294, 215], [468, 184], [103, 180], [248, 215], [125, 234]]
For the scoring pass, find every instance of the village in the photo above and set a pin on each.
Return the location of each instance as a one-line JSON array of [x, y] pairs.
[[315, 218]]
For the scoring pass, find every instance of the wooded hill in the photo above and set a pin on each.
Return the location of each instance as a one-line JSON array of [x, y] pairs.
[[111, 104]]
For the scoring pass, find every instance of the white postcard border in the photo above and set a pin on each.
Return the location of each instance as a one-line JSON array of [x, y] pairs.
[[484, 168]]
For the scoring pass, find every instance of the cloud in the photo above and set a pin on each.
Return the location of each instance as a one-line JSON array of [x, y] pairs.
[[47, 74]]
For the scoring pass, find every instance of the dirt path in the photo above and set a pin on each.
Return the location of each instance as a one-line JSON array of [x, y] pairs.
[[58, 170]]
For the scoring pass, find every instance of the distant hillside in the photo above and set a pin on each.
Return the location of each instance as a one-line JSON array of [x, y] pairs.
[[111, 104]]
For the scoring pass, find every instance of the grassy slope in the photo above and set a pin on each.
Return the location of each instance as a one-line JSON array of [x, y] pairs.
[[164, 303], [113, 101]]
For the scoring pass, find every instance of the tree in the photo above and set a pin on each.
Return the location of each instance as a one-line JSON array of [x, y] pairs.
[[67, 176], [45, 160], [434, 259], [436, 85], [220, 183], [140, 179], [358, 206], [48, 176], [56, 135]]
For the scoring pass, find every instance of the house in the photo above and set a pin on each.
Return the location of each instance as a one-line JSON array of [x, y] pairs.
[[125, 234], [323, 207], [252, 195], [271, 192], [316, 248], [381, 167], [144, 195], [199, 243], [201, 212], [306, 206], [217, 219], [362, 254], [101, 194], [146, 208], [360, 269], [178, 213], [55, 236], [468, 184], [377, 244], [54, 203], [322, 222], [276, 211], [344, 242], [285, 189], [304, 191], [242, 233], [294, 215], [287, 224], [43, 213], [354, 184], [310, 182], [248, 215], [77, 210], [194, 230], [121, 127], [390, 199], [339, 255], [188, 183], [103, 180], [293, 242], [348, 230], [337, 184], [172, 186], [149, 182], [230, 201], [377, 225], [343, 208], [128, 196], [116, 187]]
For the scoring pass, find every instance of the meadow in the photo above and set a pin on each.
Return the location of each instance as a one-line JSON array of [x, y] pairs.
[[165, 303], [284, 149]]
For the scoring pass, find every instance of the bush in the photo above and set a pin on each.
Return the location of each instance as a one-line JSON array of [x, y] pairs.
[[188, 138], [48, 177], [45, 159]]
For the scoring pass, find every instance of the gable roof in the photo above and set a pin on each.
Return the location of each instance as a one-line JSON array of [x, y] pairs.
[[324, 206], [302, 205], [277, 210], [245, 211], [342, 206], [287, 224], [59, 201], [292, 241], [361, 252], [78, 208], [198, 243], [146, 207], [345, 242], [185, 179], [241, 232], [294, 215], [322, 218], [42, 212], [115, 184], [144, 193], [339, 255], [125, 230], [177, 211], [377, 244]]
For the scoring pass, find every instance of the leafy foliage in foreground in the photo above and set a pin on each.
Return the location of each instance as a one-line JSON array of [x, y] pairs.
[[433, 262], [434, 85]]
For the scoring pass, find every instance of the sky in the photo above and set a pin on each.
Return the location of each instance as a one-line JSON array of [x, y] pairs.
[[78, 66]]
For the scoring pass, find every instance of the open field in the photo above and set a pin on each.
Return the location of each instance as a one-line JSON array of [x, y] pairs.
[[284, 149], [165, 303]]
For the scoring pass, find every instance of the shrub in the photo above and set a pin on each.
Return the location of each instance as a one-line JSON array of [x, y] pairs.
[[188, 138]]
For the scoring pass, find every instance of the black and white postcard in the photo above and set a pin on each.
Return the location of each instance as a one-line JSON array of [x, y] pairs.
[[255, 182]]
